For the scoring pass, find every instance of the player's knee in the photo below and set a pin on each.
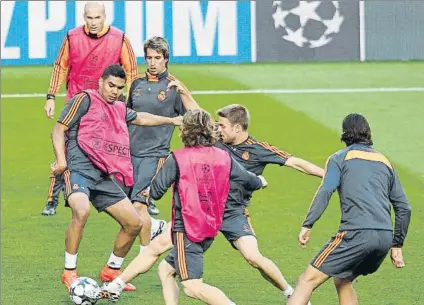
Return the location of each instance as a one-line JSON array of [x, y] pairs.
[[80, 215], [134, 226], [254, 259]]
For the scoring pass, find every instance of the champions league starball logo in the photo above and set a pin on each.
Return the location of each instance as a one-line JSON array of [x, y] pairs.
[[308, 24]]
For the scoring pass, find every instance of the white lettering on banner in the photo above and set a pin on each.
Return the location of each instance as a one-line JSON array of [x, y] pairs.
[[134, 25], [187, 15], [154, 19], [39, 24], [7, 8], [79, 11]]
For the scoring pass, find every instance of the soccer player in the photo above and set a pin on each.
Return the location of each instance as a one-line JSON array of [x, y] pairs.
[[98, 147], [85, 52], [156, 92], [206, 179], [254, 156], [367, 185]]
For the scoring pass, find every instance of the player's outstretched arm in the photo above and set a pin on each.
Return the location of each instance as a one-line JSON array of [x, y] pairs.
[[148, 119], [305, 166]]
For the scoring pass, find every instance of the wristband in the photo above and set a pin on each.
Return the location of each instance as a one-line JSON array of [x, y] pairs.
[[50, 96]]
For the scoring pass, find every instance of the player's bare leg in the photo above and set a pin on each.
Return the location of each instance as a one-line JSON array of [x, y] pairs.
[[208, 294], [144, 261], [80, 206], [131, 223], [145, 231], [126, 215], [347, 295], [170, 287], [308, 282], [248, 247]]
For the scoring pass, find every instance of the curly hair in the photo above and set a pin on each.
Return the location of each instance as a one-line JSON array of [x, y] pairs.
[[198, 129], [356, 130]]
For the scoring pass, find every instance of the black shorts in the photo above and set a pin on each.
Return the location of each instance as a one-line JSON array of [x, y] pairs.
[[102, 194], [145, 168], [350, 254], [236, 226], [187, 256]]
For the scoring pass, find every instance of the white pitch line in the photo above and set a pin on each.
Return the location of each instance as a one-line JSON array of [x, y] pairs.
[[263, 91]]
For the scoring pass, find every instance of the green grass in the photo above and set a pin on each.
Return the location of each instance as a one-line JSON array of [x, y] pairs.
[[305, 125]]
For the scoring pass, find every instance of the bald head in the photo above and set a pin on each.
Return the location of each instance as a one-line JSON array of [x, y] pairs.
[[94, 16]]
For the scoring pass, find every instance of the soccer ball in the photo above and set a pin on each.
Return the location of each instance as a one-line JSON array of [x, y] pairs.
[[308, 24], [84, 291]]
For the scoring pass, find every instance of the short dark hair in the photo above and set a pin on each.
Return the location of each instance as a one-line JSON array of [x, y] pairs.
[[236, 114], [116, 71], [198, 129], [159, 44], [356, 130]]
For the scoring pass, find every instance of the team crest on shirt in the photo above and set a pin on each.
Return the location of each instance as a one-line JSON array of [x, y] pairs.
[[245, 155], [161, 96], [137, 92], [75, 187]]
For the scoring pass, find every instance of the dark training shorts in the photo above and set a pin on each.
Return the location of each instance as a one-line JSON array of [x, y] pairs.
[[236, 226], [145, 168], [187, 256], [102, 194], [350, 254]]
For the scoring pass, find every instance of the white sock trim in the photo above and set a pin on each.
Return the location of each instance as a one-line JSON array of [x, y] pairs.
[[289, 291], [115, 261], [142, 248], [70, 260]]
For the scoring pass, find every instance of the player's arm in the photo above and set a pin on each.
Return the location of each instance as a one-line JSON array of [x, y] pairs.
[[185, 100], [70, 115], [402, 210], [329, 185], [58, 139], [249, 180], [274, 155], [148, 119], [60, 70], [304, 166], [128, 61], [163, 180]]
